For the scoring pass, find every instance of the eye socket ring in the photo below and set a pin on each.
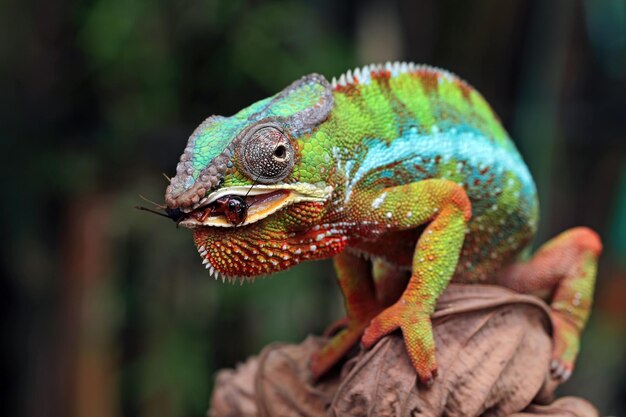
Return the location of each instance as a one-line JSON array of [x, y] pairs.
[[265, 154]]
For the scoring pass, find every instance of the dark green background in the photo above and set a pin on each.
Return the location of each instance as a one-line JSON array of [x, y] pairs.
[[107, 311]]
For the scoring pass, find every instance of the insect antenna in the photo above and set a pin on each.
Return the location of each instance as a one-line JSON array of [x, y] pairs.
[[149, 210], [147, 200], [173, 214], [166, 177], [250, 189]]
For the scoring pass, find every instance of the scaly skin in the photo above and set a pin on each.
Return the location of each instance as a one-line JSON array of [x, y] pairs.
[[400, 172]]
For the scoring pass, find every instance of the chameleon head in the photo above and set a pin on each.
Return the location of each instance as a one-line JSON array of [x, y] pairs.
[[242, 186]]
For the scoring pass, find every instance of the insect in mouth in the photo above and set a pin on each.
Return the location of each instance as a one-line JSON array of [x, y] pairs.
[[233, 207]]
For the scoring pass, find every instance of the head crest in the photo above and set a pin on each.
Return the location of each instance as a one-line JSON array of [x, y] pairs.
[[299, 108]]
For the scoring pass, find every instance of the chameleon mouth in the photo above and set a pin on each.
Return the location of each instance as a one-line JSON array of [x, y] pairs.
[[261, 201]]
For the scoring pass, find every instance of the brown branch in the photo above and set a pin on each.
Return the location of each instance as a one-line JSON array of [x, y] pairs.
[[493, 349]]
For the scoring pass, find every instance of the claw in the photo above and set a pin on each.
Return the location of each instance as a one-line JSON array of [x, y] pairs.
[[428, 382], [566, 374], [559, 370], [553, 365]]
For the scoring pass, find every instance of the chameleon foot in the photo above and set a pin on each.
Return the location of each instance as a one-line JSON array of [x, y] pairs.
[[416, 331], [336, 327], [336, 348], [565, 342]]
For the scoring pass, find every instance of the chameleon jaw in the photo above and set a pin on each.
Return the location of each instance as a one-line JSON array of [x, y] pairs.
[[267, 200]]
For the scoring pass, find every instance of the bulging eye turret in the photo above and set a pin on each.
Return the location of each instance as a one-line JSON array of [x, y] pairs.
[[266, 154]]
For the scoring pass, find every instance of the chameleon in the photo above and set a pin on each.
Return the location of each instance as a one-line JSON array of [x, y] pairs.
[[405, 176]]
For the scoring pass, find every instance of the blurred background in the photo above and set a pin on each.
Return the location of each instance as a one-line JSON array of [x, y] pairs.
[[107, 311]]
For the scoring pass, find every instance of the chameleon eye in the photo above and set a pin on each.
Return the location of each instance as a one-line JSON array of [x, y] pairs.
[[266, 155]]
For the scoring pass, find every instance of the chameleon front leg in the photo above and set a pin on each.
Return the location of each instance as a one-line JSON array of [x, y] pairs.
[[562, 272], [444, 205], [355, 280], [365, 295]]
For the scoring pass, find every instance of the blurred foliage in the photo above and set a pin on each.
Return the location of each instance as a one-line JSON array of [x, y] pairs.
[[606, 20], [108, 309]]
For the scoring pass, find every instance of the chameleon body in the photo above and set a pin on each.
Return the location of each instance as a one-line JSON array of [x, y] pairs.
[[403, 174]]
